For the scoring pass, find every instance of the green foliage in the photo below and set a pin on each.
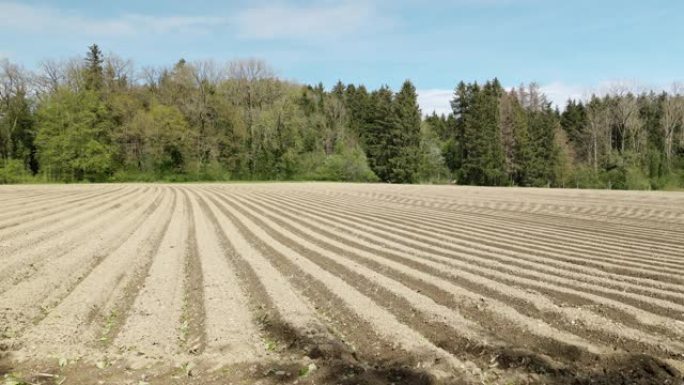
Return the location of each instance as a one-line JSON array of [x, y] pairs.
[[376, 134], [73, 137], [480, 155], [636, 179], [391, 135], [94, 76], [165, 140], [574, 120], [542, 164], [347, 166], [432, 167], [405, 136], [190, 122], [13, 171], [585, 177]]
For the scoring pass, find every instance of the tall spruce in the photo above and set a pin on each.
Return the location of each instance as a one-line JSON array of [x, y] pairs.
[[94, 73], [404, 140], [377, 132], [481, 156]]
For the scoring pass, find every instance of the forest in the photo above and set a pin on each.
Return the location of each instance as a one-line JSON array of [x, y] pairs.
[[99, 119]]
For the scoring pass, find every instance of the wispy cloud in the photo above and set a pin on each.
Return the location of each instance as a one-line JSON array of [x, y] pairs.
[[48, 20], [558, 93], [282, 21], [435, 100]]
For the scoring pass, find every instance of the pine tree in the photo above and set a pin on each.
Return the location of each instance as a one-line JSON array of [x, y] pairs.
[[94, 76], [376, 133], [481, 160], [542, 126], [574, 122], [357, 102], [456, 151], [338, 90], [404, 142]]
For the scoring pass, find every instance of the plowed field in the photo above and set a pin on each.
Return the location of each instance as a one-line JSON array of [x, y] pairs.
[[340, 283]]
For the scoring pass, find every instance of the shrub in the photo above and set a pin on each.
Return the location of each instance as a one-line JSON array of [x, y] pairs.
[[347, 166], [585, 177], [636, 180], [13, 171]]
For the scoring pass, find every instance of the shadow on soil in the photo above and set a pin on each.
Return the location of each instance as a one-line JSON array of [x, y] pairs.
[[4, 360], [338, 365], [619, 369]]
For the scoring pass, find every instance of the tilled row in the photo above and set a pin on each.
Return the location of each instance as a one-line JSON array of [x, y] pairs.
[[473, 255], [482, 285], [637, 229], [626, 207], [246, 273]]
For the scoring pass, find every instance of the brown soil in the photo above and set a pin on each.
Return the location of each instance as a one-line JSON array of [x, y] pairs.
[[324, 283]]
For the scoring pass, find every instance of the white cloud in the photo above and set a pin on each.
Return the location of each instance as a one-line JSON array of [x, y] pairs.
[[28, 18], [558, 93], [435, 100], [438, 100], [308, 22]]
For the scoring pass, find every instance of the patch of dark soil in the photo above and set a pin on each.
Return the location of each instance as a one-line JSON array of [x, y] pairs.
[[635, 369]]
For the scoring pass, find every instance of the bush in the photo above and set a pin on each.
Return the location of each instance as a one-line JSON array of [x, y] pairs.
[[347, 166], [637, 180], [672, 181], [431, 165], [208, 175], [13, 171], [615, 179], [586, 177]]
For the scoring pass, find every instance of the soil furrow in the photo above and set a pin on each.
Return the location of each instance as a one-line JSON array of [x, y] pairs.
[[153, 323], [360, 309], [478, 227], [83, 320], [488, 256], [566, 262], [464, 268], [503, 294], [27, 263]]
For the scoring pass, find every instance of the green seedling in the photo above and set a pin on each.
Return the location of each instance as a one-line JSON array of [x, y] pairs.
[[271, 345]]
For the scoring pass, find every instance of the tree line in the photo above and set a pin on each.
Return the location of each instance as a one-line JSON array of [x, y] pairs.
[[98, 119]]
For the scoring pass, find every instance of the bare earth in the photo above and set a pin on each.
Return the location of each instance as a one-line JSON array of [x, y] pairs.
[[317, 283]]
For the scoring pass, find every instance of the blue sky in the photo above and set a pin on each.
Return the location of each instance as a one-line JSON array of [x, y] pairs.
[[569, 47]]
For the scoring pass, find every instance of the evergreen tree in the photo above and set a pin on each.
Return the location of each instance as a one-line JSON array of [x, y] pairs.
[[481, 160], [94, 73], [542, 126], [515, 138], [338, 90], [358, 105], [574, 122], [377, 132], [404, 140], [456, 151]]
